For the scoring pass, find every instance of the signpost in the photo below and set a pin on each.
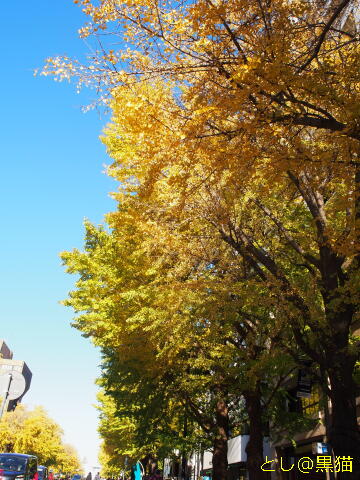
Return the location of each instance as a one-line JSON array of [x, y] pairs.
[[12, 387]]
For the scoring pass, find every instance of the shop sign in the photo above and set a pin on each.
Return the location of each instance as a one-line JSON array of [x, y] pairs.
[[320, 448]]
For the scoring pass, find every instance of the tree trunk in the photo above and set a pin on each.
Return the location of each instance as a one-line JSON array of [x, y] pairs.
[[344, 435], [183, 466], [343, 431], [254, 447], [219, 459]]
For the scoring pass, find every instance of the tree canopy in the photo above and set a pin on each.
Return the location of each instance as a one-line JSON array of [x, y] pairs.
[[33, 432], [235, 141]]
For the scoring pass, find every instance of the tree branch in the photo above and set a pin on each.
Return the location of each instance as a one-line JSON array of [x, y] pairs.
[[310, 258], [321, 38]]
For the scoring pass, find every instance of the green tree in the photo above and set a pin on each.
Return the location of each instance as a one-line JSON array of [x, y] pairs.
[[177, 336]]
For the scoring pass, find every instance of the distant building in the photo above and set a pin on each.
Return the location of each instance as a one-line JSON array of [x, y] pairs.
[[15, 379], [5, 351]]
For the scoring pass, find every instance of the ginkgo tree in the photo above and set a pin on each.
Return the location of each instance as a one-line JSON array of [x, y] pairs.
[[278, 203], [289, 63], [177, 334], [255, 133], [34, 432], [133, 430], [121, 299]]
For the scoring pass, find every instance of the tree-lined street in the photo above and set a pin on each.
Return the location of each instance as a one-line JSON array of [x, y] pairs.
[[231, 262], [222, 289]]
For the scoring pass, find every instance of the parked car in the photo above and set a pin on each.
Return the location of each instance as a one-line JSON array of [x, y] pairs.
[[43, 472], [17, 466]]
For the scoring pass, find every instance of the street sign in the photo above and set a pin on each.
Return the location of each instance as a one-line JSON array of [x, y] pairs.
[[320, 448], [16, 384]]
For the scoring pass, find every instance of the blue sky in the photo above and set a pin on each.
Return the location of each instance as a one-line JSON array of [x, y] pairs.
[[51, 179]]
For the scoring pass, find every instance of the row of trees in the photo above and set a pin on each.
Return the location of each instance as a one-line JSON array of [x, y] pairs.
[[233, 257], [35, 433]]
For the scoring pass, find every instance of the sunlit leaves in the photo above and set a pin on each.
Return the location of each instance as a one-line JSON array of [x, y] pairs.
[[34, 432]]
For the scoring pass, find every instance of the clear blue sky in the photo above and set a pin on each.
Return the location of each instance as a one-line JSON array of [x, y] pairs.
[[51, 179]]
